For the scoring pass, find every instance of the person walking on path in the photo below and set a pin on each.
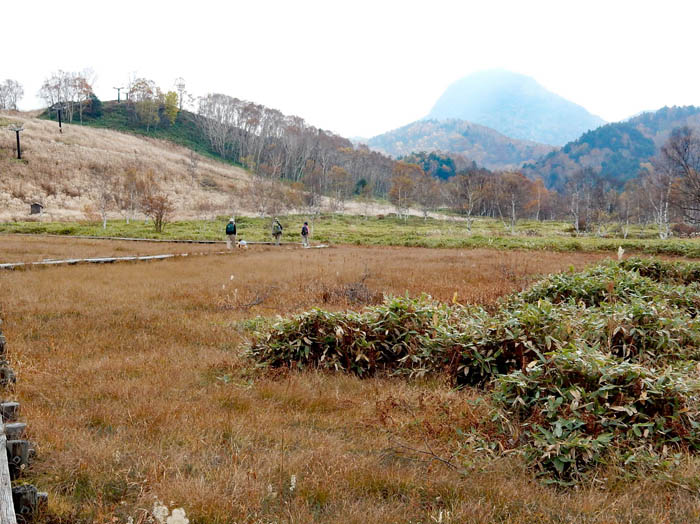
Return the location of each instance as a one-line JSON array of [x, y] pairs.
[[277, 231], [305, 235], [231, 234]]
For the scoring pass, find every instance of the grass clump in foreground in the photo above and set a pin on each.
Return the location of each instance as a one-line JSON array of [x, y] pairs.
[[584, 370]]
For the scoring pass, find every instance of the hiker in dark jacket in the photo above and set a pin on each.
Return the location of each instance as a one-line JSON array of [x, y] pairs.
[[231, 233], [277, 231], [305, 235]]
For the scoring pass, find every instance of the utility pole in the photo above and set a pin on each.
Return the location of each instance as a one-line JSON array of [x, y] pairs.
[[17, 129], [119, 89], [180, 86]]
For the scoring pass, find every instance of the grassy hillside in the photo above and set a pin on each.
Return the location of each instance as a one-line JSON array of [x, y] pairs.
[[183, 131], [59, 169]]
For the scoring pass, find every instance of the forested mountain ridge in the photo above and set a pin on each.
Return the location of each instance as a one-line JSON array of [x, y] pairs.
[[516, 106], [485, 146], [615, 151]]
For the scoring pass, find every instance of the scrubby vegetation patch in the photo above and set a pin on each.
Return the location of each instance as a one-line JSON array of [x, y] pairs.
[[593, 368]]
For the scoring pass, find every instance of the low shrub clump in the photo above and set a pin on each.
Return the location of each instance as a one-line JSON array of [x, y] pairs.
[[581, 407], [589, 368], [619, 283], [389, 338], [662, 270]]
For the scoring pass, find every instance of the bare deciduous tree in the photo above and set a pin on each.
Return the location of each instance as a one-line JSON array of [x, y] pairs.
[[11, 92], [156, 205], [466, 192], [268, 197], [427, 193], [104, 190], [681, 158], [657, 185], [129, 191], [403, 185], [341, 186], [67, 90]]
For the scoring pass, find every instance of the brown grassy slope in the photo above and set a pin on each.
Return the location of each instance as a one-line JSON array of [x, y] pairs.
[[56, 169], [131, 380]]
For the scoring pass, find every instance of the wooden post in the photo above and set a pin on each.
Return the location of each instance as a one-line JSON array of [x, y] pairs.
[[15, 454], [17, 129], [7, 507], [15, 430], [18, 452], [28, 501], [9, 411]]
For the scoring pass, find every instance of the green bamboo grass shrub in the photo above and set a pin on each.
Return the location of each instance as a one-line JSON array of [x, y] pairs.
[[609, 283], [388, 338], [590, 368], [582, 407], [662, 270]]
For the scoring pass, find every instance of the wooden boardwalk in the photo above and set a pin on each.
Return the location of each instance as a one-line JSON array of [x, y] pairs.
[[112, 260], [101, 260]]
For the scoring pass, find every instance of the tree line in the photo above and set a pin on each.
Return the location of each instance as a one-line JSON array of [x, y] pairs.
[[299, 166], [320, 163]]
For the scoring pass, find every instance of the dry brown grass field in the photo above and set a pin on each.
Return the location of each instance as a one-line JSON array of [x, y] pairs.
[[133, 385], [57, 170]]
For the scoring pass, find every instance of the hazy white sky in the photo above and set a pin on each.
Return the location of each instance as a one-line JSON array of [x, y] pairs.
[[361, 68]]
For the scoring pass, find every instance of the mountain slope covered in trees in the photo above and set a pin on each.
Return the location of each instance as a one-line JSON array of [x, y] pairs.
[[515, 105], [615, 151], [486, 147]]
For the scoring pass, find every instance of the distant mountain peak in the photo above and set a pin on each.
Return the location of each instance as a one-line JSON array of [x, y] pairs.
[[514, 105]]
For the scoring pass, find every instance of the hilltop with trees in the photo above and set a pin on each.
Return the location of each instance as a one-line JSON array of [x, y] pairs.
[[617, 152]]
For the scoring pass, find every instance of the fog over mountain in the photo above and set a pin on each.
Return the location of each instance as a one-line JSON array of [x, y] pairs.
[[516, 106]]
